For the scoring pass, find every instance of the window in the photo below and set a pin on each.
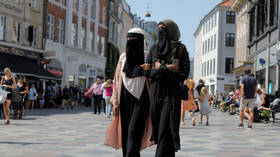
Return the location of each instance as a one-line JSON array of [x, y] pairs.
[[202, 68], [229, 65], [98, 44], [208, 68], [35, 4], [16, 32], [214, 66], [211, 22], [212, 43], [60, 28], [203, 46], [50, 27], [74, 34], [208, 46], [93, 8], [211, 67], [230, 37], [62, 2], [104, 16], [75, 5], [205, 69], [103, 46], [35, 37], [215, 41], [85, 4], [91, 41], [230, 17], [215, 19], [83, 38], [2, 27]]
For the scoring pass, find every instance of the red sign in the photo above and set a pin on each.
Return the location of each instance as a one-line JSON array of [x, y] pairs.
[[55, 72]]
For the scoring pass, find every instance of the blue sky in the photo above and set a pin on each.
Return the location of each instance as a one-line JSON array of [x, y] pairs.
[[186, 13]]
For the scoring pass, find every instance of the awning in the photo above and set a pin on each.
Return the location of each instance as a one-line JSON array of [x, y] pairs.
[[24, 66]]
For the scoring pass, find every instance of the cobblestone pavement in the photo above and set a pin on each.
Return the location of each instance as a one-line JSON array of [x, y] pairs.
[[56, 133]]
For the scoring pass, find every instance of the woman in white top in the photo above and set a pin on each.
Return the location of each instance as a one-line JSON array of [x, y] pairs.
[[32, 96]]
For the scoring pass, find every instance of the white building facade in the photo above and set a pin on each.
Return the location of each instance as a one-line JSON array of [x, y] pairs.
[[80, 53], [215, 50]]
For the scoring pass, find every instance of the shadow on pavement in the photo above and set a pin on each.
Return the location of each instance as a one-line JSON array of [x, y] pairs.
[[19, 143]]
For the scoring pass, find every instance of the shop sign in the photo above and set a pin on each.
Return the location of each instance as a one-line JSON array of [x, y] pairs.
[[55, 72], [50, 54], [71, 78], [10, 6], [261, 61]]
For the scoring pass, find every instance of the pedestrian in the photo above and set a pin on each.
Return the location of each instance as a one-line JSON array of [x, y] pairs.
[[169, 60], [189, 105], [87, 97], [65, 97], [204, 105], [108, 88], [59, 97], [97, 94], [8, 81], [200, 86], [248, 101], [104, 94], [75, 95], [24, 90], [131, 100], [32, 96]]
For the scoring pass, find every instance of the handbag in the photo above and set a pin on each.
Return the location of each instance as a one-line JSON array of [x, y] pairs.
[[3, 95], [16, 96]]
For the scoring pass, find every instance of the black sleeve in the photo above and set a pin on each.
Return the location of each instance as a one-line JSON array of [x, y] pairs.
[[149, 60], [184, 67]]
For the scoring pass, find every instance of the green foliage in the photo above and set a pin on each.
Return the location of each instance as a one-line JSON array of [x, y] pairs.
[[112, 60]]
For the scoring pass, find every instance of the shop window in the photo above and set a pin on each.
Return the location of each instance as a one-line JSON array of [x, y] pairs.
[[229, 65], [230, 38], [230, 17]]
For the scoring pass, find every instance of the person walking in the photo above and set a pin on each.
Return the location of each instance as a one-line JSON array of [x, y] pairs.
[[65, 97], [97, 94], [131, 100], [8, 82], [23, 90], [204, 105], [32, 95], [248, 101], [189, 105], [75, 95], [103, 101], [108, 88], [169, 61], [87, 97]]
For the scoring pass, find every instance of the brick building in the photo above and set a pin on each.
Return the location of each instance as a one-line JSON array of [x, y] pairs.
[[77, 31]]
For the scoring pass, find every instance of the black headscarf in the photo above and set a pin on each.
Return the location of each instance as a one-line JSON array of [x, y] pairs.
[[168, 39], [134, 56]]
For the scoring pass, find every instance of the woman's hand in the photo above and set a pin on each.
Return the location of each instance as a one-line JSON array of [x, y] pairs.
[[115, 110], [145, 66], [157, 65]]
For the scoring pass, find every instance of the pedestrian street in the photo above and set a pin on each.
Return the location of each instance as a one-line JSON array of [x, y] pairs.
[[56, 133]]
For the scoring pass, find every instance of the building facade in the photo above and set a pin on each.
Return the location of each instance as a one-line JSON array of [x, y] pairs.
[[127, 24], [21, 40], [215, 45], [77, 31], [242, 59], [263, 42]]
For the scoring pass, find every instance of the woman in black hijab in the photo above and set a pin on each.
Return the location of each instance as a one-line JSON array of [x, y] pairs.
[[169, 60]]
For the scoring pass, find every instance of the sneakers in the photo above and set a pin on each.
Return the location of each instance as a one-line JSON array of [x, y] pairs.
[[240, 126], [250, 127]]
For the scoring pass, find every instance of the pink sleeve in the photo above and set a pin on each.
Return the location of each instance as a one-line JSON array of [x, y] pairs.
[[91, 88]]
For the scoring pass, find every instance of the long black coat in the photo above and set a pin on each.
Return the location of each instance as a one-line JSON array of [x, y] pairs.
[[165, 95]]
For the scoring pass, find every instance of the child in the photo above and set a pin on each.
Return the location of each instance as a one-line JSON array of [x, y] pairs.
[[204, 105]]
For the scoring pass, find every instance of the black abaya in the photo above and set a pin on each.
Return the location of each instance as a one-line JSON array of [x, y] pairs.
[[134, 114], [166, 102]]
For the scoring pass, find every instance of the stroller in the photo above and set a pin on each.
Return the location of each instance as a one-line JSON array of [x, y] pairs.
[[275, 107]]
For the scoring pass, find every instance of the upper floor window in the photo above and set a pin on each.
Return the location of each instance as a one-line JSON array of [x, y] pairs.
[[62, 2], [50, 27], [2, 27], [230, 38], [75, 5], [60, 28], [85, 5], [229, 65], [35, 37], [35, 4], [230, 17], [104, 15], [74, 34], [93, 8]]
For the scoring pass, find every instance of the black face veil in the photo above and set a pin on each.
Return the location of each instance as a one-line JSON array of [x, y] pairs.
[[163, 42], [134, 55]]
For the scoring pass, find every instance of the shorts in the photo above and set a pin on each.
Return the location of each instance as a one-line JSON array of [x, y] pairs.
[[75, 98], [250, 103], [237, 104]]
